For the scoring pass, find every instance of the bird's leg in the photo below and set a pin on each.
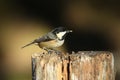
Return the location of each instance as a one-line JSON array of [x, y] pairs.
[[50, 50], [56, 51], [47, 49]]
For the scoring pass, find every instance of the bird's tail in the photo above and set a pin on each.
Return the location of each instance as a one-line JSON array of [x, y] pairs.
[[28, 44]]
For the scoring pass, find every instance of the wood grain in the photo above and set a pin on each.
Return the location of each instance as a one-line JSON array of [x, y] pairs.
[[83, 65]]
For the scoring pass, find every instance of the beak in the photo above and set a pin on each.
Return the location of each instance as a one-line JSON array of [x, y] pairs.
[[68, 31]]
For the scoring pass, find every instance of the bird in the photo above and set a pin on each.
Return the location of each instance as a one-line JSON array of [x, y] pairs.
[[52, 39]]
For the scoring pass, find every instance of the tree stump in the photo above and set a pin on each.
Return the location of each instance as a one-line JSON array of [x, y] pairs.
[[83, 65]]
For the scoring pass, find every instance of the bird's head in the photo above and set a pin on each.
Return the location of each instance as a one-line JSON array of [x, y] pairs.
[[61, 32]]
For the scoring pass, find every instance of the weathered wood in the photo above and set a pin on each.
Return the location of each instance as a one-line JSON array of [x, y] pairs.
[[84, 65]]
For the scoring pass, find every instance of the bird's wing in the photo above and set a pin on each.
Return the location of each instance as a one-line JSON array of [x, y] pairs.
[[47, 37]]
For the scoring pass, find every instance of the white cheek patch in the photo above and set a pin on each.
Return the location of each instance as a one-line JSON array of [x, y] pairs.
[[61, 34]]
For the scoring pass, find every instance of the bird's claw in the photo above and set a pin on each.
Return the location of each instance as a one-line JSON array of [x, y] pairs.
[[49, 50]]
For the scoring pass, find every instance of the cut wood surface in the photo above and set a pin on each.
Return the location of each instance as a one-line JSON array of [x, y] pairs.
[[83, 65]]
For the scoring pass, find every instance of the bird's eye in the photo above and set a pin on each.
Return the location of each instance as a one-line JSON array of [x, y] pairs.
[[57, 32]]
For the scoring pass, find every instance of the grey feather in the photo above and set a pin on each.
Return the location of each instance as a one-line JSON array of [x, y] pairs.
[[49, 36]]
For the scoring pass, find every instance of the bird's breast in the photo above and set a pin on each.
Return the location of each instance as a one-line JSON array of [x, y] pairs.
[[51, 43]]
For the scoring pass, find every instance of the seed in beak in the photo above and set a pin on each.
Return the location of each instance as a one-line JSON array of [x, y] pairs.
[[68, 31]]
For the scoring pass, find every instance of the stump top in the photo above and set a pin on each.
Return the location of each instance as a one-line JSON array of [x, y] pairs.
[[79, 53]]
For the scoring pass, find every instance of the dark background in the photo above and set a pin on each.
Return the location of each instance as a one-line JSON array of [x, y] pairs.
[[95, 25]]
